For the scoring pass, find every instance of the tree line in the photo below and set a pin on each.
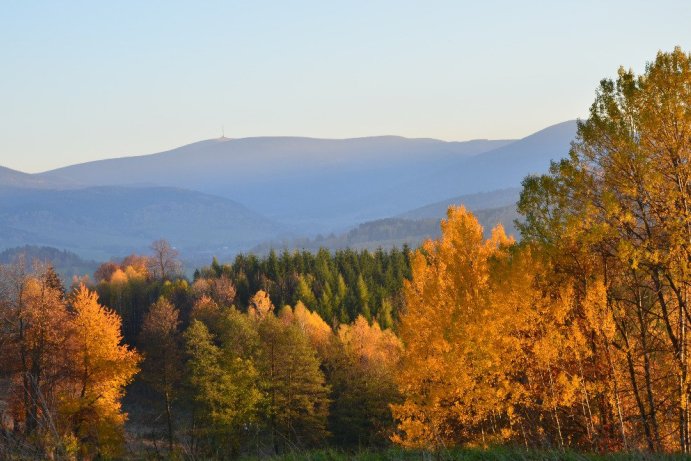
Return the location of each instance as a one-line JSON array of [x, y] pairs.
[[340, 286], [226, 371]]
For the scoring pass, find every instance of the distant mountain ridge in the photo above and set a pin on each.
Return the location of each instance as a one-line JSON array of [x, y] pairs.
[[324, 185], [312, 184], [501, 168]]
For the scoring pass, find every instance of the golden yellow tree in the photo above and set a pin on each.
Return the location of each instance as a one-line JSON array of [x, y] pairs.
[[446, 364], [362, 372], [261, 305], [101, 366], [309, 322], [616, 213]]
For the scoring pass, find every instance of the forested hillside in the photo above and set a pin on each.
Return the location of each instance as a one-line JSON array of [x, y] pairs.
[[65, 263], [396, 232], [474, 202], [339, 286], [104, 222]]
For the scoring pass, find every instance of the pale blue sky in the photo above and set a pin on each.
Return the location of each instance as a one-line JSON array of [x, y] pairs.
[[89, 80]]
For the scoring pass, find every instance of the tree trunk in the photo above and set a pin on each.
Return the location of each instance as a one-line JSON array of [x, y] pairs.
[[169, 418]]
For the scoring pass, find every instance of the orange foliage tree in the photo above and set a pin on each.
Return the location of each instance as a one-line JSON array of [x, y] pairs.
[[452, 374], [101, 366]]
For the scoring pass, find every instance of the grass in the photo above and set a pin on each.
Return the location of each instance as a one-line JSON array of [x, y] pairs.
[[472, 454]]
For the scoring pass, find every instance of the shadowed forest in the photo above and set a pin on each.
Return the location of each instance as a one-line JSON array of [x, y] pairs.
[[570, 342]]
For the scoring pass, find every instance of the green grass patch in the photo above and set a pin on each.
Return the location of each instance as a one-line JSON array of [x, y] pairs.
[[471, 454]]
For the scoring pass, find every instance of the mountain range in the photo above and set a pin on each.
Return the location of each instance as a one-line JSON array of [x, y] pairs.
[[311, 185], [222, 196]]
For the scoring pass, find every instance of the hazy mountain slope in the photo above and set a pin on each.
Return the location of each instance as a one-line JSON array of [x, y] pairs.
[[101, 222], [65, 263], [480, 201], [393, 232], [14, 178], [316, 184], [504, 167]]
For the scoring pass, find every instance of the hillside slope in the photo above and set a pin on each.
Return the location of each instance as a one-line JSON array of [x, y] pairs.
[[479, 201], [393, 232], [501, 168], [14, 178], [100, 222], [65, 263]]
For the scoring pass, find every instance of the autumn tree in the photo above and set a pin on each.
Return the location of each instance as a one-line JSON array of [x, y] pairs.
[[42, 346], [100, 367], [223, 377], [261, 305], [129, 293], [362, 370], [296, 393], [135, 263], [68, 363], [105, 271], [33, 320], [311, 324], [615, 214], [164, 263], [444, 374], [162, 365]]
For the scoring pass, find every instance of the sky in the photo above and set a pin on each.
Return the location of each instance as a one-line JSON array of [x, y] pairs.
[[87, 80]]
